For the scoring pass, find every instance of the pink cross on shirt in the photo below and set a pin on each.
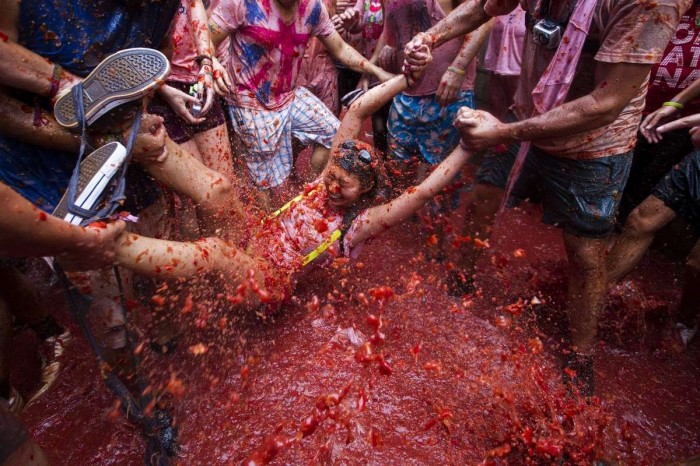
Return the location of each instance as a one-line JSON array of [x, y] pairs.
[[287, 40]]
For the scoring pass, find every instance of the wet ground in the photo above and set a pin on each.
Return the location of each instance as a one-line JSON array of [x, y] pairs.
[[441, 380]]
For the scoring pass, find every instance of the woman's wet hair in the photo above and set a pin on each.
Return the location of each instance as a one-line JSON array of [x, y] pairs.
[[359, 159]]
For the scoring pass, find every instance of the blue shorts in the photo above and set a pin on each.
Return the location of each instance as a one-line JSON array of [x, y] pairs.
[[41, 176], [419, 127], [680, 189], [579, 196]]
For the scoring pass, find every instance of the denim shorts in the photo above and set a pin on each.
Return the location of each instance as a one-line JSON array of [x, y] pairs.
[[579, 196], [680, 189]]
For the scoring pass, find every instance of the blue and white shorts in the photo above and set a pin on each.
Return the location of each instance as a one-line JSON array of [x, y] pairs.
[[420, 127], [267, 135]]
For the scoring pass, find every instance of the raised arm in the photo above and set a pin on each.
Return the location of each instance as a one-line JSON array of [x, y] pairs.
[[344, 53], [366, 105], [373, 100], [380, 218], [464, 19]]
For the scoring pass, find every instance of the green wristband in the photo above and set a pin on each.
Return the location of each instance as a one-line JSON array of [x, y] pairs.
[[673, 104]]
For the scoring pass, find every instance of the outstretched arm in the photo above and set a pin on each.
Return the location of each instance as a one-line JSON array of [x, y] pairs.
[[344, 53], [380, 218], [25, 231]]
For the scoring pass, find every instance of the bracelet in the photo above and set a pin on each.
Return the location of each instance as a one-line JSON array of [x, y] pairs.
[[55, 81], [201, 58], [463, 145], [454, 69], [673, 104]]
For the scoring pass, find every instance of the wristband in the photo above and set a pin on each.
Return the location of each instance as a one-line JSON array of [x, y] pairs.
[[673, 104], [454, 69], [463, 145]]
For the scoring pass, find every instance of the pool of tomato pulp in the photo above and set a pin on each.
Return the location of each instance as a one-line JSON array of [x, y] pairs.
[[375, 363]]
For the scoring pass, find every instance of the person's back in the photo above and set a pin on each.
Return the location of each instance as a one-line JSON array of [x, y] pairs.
[[79, 34]]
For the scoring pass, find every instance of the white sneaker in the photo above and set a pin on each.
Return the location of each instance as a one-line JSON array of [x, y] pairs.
[[96, 171]]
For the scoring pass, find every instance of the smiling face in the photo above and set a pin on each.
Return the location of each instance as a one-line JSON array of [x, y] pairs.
[[343, 187]]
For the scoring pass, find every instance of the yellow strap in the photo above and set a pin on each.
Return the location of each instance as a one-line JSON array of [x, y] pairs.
[[287, 205], [322, 247]]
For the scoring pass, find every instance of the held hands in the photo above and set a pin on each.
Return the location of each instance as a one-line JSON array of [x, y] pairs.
[[412, 56], [95, 250], [420, 58], [479, 130], [649, 127]]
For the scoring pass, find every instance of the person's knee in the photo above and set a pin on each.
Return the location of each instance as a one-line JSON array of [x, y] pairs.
[[221, 192], [586, 256], [648, 217]]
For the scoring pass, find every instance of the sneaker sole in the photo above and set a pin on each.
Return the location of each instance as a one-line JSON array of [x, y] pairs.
[[123, 77], [96, 171]]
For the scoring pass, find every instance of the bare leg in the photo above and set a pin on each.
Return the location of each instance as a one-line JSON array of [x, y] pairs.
[[481, 207], [216, 153], [690, 300], [587, 288], [641, 226], [218, 205]]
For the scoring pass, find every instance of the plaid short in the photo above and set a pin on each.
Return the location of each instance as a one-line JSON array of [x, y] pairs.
[[420, 127], [267, 135]]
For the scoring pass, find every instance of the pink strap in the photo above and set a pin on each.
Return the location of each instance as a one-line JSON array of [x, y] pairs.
[[553, 86]]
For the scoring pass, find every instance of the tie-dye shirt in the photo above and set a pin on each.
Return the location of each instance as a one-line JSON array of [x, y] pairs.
[[266, 52]]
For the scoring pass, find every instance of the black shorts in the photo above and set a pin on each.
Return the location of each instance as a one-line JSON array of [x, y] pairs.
[[178, 129], [680, 189], [579, 196]]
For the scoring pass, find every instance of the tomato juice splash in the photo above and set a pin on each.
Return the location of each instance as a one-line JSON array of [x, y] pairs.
[[424, 376]]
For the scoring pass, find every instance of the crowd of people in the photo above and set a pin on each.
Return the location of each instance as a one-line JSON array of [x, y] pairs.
[[192, 118]]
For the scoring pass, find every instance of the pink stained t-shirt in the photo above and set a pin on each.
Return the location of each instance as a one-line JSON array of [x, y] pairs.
[[286, 239], [505, 47], [266, 52], [623, 31], [403, 19]]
